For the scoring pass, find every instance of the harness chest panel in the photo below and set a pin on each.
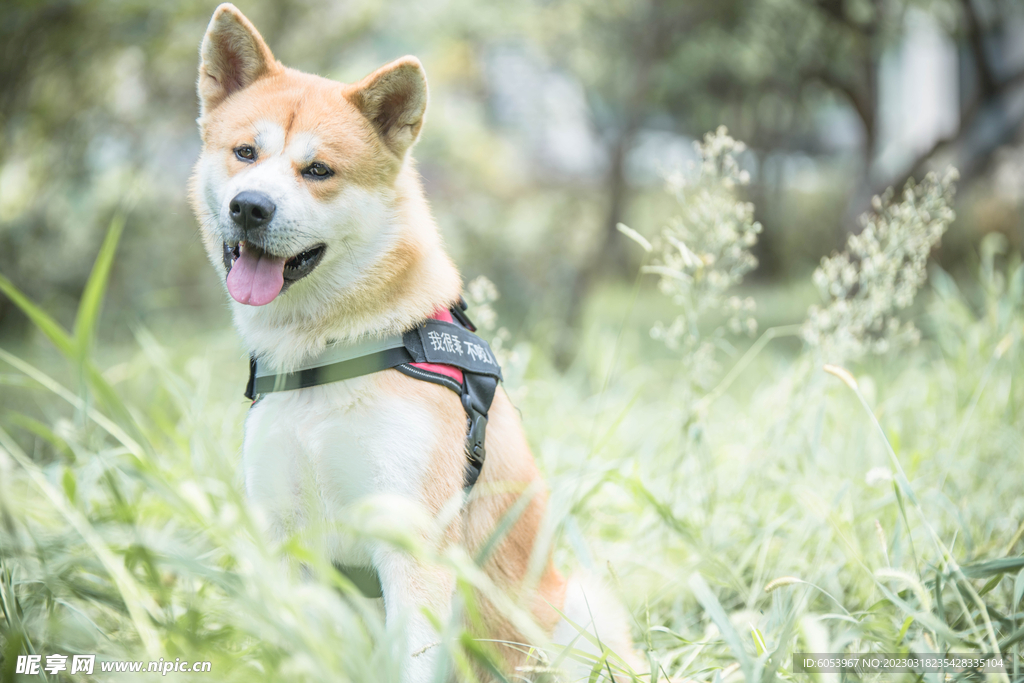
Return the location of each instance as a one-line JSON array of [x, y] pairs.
[[442, 350], [445, 343], [439, 350]]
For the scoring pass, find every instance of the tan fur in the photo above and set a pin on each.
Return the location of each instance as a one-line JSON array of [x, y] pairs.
[[222, 73], [303, 102], [363, 132]]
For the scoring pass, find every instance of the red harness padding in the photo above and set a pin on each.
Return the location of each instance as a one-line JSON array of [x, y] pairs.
[[449, 371]]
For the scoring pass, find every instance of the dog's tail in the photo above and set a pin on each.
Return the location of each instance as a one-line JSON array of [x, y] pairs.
[[593, 615]]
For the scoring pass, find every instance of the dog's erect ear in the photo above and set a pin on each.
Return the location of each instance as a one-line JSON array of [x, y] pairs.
[[394, 99], [233, 55]]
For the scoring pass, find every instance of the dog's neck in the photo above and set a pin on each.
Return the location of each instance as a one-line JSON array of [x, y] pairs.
[[411, 279]]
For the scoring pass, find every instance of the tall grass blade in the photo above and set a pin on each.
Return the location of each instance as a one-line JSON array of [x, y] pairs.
[[710, 603], [508, 520], [57, 389], [981, 570], [96, 286], [76, 347], [139, 603], [40, 318]]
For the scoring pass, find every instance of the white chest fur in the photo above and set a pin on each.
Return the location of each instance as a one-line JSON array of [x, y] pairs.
[[311, 454]]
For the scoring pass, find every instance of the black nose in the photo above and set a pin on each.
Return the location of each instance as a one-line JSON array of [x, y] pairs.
[[251, 210]]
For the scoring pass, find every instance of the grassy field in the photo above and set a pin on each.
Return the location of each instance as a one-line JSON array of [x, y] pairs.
[[746, 501]]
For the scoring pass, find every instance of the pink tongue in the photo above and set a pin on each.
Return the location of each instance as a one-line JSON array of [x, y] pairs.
[[255, 278]]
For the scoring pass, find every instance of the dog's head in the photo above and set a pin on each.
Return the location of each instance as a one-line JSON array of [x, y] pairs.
[[297, 182]]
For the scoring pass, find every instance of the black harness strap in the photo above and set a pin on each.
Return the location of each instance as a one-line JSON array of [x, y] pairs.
[[432, 342], [335, 372]]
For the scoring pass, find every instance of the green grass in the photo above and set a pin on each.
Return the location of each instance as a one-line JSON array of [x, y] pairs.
[[794, 510]]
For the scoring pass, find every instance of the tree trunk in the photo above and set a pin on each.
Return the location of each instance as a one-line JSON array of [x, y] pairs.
[[610, 258]]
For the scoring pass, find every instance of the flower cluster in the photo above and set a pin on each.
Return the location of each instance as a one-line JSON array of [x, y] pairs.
[[705, 249], [877, 276], [480, 294]]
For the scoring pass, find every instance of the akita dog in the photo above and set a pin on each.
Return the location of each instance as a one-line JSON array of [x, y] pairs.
[[313, 214]]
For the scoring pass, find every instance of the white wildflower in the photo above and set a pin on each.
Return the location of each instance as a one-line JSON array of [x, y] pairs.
[[481, 293], [705, 249], [867, 285]]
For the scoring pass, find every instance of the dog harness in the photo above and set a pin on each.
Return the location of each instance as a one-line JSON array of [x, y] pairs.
[[441, 350]]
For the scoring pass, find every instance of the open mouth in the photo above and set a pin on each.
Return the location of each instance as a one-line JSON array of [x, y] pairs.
[[256, 277]]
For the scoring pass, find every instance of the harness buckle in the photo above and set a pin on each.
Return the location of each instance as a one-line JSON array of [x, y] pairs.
[[475, 451], [459, 313], [475, 437]]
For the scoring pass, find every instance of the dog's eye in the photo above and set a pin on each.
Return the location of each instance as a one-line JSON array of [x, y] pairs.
[[317, 170], [245, 153]]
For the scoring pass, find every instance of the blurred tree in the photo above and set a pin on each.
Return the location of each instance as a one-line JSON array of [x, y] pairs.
[[96, 102], [44, 87], [766, 68], [990, 33], [97, 111], [841, 45], [627, 56]]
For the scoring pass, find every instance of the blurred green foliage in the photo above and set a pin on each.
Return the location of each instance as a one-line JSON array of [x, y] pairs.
[[550, 122]]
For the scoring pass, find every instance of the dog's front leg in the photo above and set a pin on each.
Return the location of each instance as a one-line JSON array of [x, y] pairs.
[[410, 588]]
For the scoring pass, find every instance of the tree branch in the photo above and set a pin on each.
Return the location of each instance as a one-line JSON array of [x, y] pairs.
[[967, 119], [975, 38], [862, 103]]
